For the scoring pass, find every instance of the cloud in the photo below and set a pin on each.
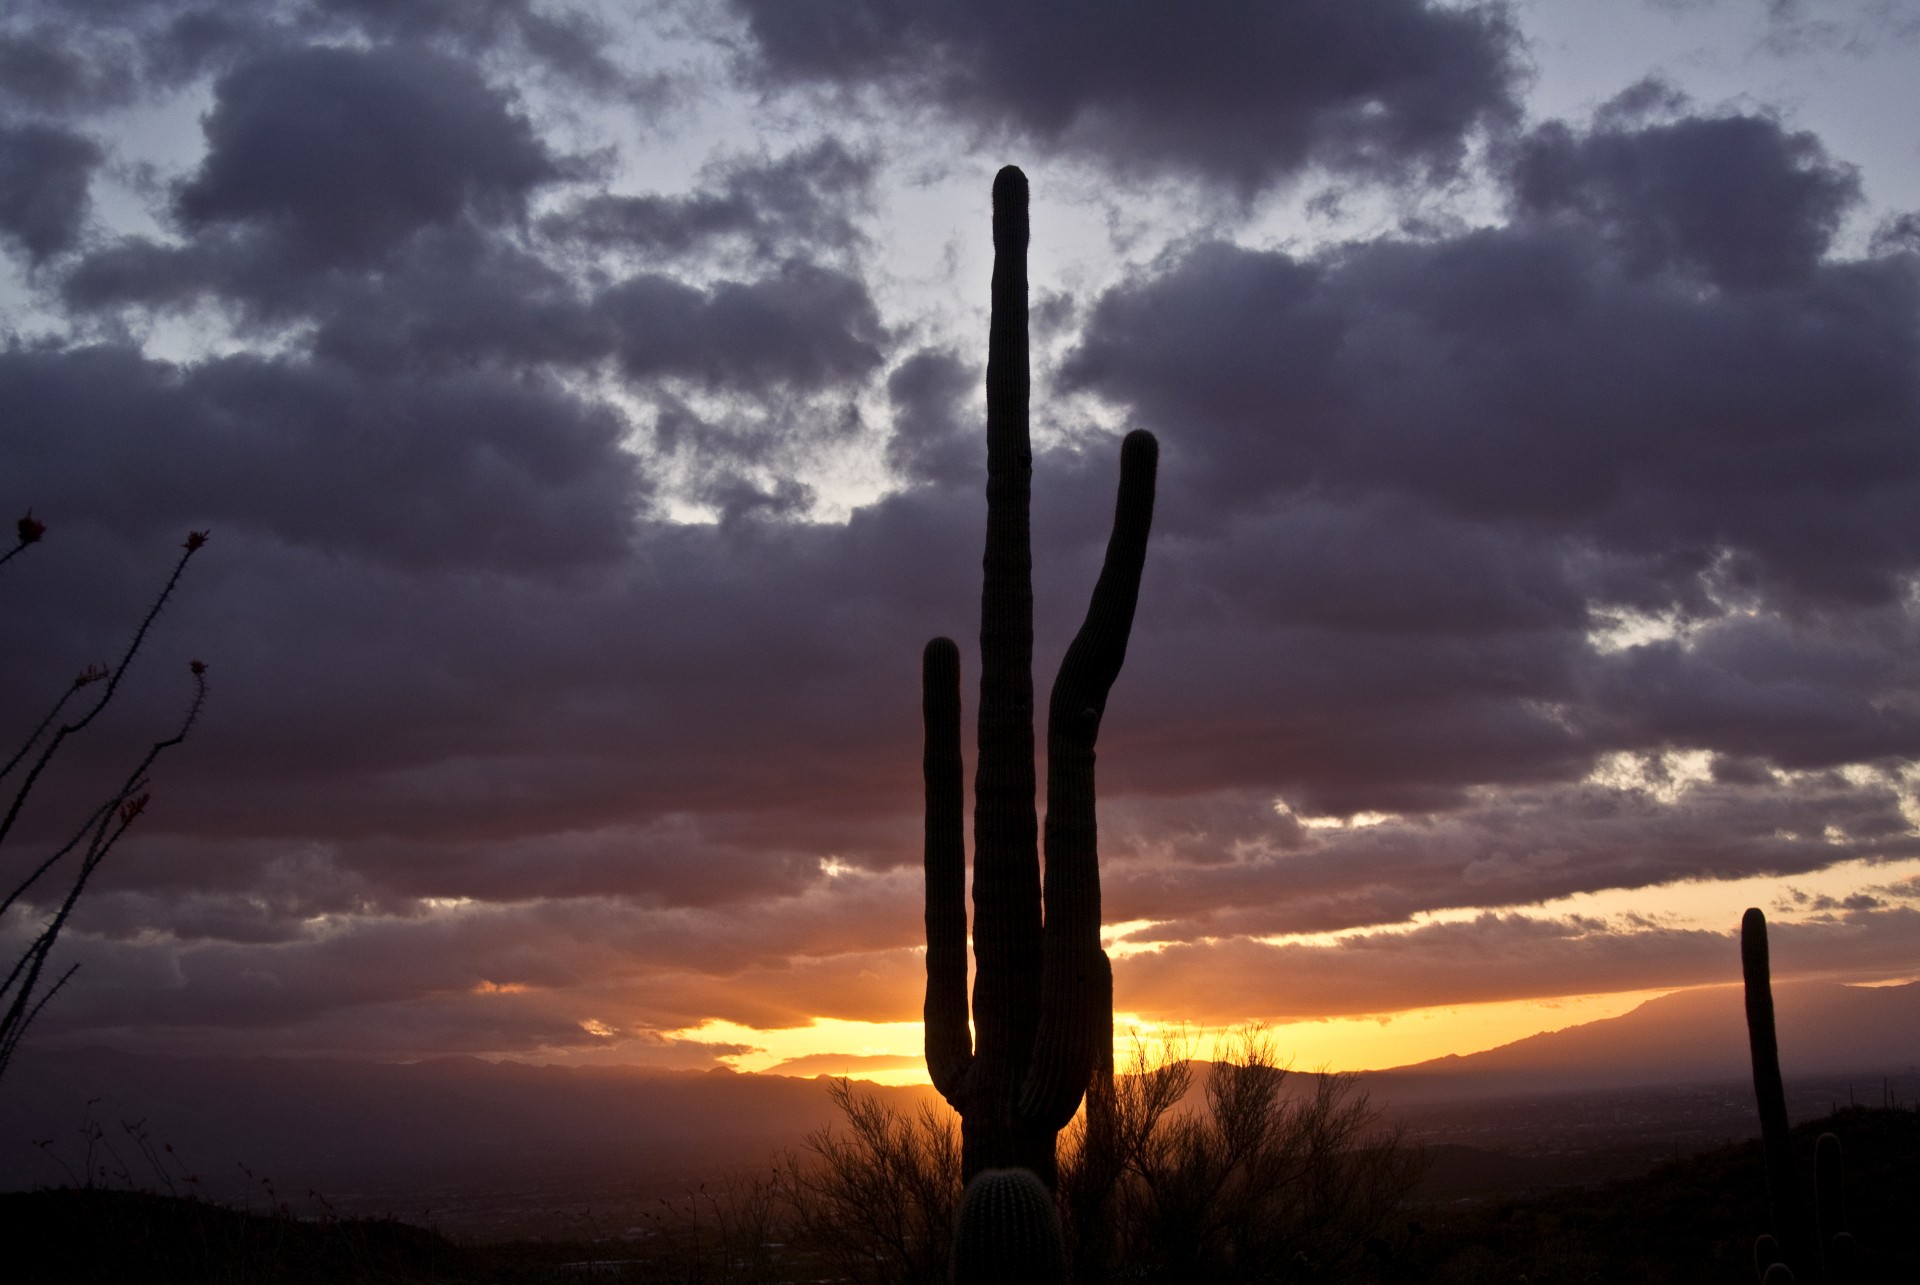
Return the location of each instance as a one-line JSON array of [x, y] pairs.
[[86, 58], [472, 469], [805, 326], [804, 198], [1736, 199], [1528, 379], [1489, 959], [1243, 95], [1227, 865], [567, 41], [44, 176], [933, 438], [345, 153], [41, 69]]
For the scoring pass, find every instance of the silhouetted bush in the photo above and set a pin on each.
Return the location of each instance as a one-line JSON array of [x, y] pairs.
[[24, 993], [1262, 1178]]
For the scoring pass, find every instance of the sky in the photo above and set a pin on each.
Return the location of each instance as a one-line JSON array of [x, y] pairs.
[[585, 404]]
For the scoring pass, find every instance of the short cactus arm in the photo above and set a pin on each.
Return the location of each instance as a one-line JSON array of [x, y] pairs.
[[1830, 1211], [1071, 985], [949, 1040]]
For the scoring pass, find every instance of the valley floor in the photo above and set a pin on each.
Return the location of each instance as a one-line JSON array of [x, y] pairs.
[[1689, 1220]]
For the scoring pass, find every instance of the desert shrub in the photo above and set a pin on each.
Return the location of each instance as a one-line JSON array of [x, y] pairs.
[[878, 1201], [1270, 1177], [26, 989], [1260, 1176]]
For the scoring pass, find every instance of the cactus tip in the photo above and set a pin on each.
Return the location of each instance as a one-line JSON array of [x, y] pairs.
[[1010, 229]]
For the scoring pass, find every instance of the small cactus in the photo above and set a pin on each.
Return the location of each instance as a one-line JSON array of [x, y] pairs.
[[1830, 1206], [1008, 1232]]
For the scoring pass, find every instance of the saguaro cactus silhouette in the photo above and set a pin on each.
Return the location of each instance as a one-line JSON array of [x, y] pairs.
[[1787, 1214], [1042, 994], [1803, 1240]]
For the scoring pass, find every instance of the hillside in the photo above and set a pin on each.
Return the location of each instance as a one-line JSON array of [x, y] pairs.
[[1825, 1029]]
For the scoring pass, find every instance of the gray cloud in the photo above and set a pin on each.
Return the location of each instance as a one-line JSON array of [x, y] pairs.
[[1490, 958], [1736, 199], [1243, 95], [42, 69], [469, 469], [804, 325], [1526, 378], [805, 198], [44, 177], [345, 153], [89, 57], [934, 437]]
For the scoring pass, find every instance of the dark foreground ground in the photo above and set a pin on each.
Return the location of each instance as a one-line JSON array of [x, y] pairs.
[[1689, 1220]]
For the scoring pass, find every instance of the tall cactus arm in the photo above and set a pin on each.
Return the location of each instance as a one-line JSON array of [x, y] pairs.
[[949, 1041], [1006, 858], [1070, 987]]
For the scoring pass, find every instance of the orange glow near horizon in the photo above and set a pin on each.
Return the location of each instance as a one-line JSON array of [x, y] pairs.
[[890, 1052], [1335, 1044]]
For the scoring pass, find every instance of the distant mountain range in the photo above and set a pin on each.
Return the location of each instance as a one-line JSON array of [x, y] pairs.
[[1695, 1035], [456, 1124], [339, 1125]]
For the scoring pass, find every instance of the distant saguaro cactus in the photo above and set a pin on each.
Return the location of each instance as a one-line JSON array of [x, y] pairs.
[[1783, 1197], [1805, 1245], [1008, 1232], [1042, 996]]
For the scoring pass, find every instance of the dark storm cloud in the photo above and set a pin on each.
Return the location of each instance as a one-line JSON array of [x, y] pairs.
[[1487, 959], [42, 69], [472, 469], [843, 948], [1409, 483], [805, 326], [1228, 865], [472, 695], [565, 40], [805, 198], [86, 57], [44, 176], [934, 437], [1531, 378], [345, 153], [1736, 199], [454, 297], [1244, 94]]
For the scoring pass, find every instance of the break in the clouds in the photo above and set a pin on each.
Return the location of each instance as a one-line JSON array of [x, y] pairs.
[[587, 414]]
